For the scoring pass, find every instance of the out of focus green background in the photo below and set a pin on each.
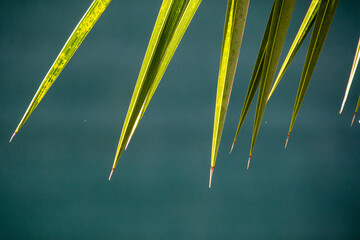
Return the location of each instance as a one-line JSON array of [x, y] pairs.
[[54, 175]]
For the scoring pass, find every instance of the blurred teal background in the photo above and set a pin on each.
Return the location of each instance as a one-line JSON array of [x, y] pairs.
[[54, 175]]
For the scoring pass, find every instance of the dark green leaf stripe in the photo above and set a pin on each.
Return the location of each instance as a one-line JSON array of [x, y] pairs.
[[321, 27]]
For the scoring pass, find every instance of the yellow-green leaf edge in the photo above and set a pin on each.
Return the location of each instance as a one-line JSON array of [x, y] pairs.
[[173, 19], [321, 27], [299, 38], [72, 44], [233, 33]]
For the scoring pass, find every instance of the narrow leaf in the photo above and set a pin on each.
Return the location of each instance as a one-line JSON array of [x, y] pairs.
[[299, 38], [255, 79], [321, 27], [173, 19], [78, 35], [233, 33], [352, 74], [278, 30]]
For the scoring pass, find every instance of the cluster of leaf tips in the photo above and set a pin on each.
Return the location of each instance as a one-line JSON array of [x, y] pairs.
[[173, 19]]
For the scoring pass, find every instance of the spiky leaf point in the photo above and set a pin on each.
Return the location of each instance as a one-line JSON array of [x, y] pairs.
[[352, 74]]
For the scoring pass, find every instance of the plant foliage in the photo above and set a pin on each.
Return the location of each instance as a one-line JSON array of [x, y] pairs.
[[172, 21]]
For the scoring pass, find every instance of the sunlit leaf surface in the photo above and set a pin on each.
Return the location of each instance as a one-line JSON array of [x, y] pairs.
[[78, 35], [233, 33], [173, 19], [352, 74], [299, 38]]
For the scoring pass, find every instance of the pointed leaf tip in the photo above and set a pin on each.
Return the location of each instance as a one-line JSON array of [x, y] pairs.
[[352, 121], [287, 139], [351, 77], [232, 147], [112, 170], [211, 173], [248, 164], [12, 136]]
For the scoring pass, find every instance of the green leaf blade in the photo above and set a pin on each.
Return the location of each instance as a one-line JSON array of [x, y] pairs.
[[299, 38], [278, 30], [173, 19], [352, 74], [149, 55], [72, 44], [233, 33], [321, 27], [255, 78]]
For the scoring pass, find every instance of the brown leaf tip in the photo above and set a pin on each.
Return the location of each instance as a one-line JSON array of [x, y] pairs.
[[232, 146], [287, 139], [211, 174], [112, 170], [248, 164], [352, 121], [12, 136]]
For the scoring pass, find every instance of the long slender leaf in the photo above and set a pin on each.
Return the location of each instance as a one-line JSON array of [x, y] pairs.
[[321, 27], [255, 78], [233, 33], [352, 74], [173, 19], [78, 35], [299, 38], [278, 30], [356, 109]]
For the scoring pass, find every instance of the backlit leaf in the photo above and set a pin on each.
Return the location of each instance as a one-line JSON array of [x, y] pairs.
[[321, 27], [255, 79], [233, 33], [278, 29], [78, 35], [173, 19], [352, 74], [299, 38]]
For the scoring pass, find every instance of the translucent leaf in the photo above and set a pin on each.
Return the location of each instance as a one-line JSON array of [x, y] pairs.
[[299, 38], [255, 79], [173, 19], [78, 35], [321, 27], [233, 33], [277, 33], [352, 74]]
